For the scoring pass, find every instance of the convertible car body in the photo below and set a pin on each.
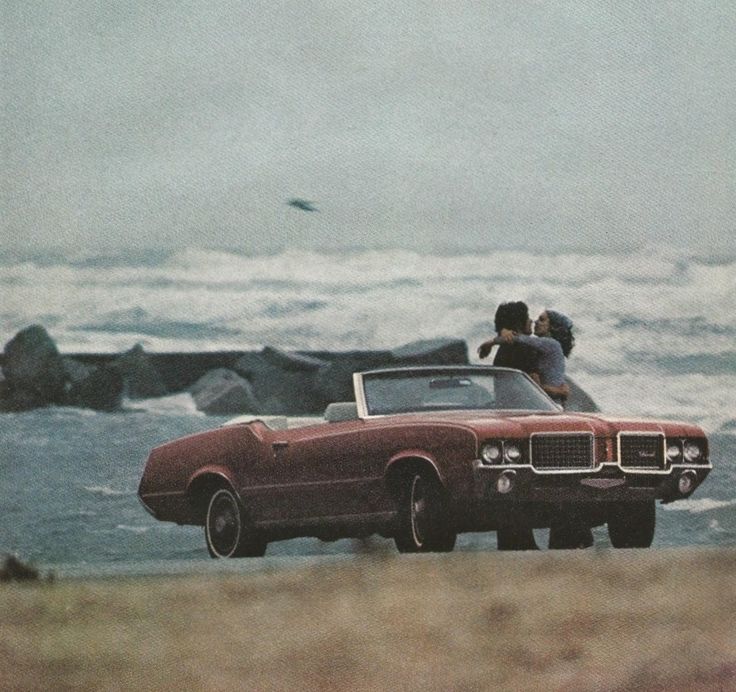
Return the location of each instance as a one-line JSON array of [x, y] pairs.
[[422, 455]]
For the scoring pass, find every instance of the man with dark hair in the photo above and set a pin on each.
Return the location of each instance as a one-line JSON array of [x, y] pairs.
[[515, 317]]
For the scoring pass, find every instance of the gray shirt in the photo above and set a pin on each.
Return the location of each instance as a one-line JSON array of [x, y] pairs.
[[551, 358]]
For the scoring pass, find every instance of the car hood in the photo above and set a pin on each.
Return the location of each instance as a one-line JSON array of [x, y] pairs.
[[523, 423]]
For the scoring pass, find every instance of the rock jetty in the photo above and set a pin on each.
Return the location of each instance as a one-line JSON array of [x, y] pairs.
[[266, 382]]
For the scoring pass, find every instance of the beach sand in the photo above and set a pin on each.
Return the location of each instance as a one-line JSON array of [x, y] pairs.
[[569, 620]]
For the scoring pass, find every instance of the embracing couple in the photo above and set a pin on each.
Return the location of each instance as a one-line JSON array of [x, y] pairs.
[[541, 356]]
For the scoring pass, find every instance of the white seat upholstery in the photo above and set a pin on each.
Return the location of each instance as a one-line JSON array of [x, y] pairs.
[[341, 411], [273, 422]]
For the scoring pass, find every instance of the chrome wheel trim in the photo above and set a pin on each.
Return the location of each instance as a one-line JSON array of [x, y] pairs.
[[224, 525], [418, 500]]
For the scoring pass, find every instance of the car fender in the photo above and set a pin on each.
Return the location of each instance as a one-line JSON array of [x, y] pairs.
[[215, 472], [414, 455]]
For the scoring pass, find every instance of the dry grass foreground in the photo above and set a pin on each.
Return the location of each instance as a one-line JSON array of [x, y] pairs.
[[605, 620]]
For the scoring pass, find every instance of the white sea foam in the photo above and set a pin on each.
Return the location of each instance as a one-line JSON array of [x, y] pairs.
[[133, 529], [699, 505], [641, 392], [106, 490], [174, 404]]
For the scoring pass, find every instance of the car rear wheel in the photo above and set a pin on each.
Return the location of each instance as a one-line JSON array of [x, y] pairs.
[[226, 531], [422, 522], [631, 524]]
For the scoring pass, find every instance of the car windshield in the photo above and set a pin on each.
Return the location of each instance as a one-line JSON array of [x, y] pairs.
[[409, 391]]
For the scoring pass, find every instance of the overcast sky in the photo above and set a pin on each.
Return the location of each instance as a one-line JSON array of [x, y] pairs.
[[135, 124]]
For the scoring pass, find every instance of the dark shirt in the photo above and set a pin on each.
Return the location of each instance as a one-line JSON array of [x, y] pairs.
[[519, 356]]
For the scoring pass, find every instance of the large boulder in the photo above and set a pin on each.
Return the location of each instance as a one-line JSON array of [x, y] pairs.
[[579, 399], [432, 352], [283, 382], [223, 392], [76, 370], [335, 381], [141, 377], [33, 370], [14, 569], [292, 361], [6, 397], [98, 388], [101, 390]]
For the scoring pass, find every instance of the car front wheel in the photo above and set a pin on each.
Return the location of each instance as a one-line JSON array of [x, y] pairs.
[[422, 522], [226, 531], [631, 524]]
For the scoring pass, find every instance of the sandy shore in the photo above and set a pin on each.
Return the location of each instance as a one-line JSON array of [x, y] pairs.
[[587, 620]]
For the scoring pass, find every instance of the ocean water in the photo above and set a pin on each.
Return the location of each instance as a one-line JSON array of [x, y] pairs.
[[655, 337]]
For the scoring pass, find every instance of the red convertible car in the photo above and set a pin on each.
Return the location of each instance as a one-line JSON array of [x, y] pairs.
[[422, 455]]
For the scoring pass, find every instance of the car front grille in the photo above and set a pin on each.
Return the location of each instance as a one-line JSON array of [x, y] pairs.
[[561, 452], [641, 451]]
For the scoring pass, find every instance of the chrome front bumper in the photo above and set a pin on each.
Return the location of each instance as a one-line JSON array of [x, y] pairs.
[[606, 483]]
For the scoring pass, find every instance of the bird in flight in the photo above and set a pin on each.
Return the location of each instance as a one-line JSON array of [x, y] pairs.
[[303, 204]]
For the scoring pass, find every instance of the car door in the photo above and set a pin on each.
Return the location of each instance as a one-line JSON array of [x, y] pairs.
[[324, 472]]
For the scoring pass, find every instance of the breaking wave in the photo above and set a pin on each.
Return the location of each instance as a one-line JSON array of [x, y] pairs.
[[699, 505], [106, 490]]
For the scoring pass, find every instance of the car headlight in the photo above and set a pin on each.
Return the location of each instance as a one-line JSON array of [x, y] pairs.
[[692, 451], [511, 453], [674, 451], [491, 453]]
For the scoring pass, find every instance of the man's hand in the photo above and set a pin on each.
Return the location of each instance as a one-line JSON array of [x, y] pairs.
[[485, 348], [562, 390], [507, 336]]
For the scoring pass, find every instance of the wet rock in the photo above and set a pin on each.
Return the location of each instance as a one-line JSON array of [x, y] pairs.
[[579, 399], [292, 361], [335, 382], [14, 569], [5, 397], [141, 377], [34, 371], [224, 392], [179, 371], [284, 384], [432, 352], [100, 389], [75, 370]]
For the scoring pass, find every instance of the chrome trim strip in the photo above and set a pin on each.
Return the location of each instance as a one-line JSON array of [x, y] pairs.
[[329, 518], [167, 493], [360, 395], [310, 484], [480, 464], [145, 506], [528, 467], [693, 467]]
